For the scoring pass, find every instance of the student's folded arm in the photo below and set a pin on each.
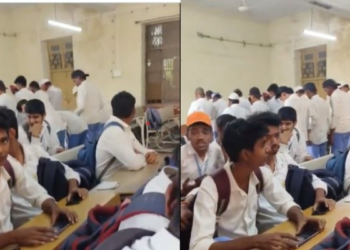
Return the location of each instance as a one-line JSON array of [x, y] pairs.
[[29, 188], [275, 193], [313, 116], [119, 144], [139, 147]]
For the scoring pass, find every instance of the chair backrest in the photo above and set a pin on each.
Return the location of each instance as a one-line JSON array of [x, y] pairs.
[[166, 113], [139, 111], [68, 155]]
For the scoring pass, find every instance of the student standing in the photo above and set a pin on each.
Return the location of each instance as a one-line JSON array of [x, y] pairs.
[[117, 147], [219, 104], [274, 103], [255, 98], [246, 144], [320, 122], [202, 104], [7, 100], [89, 102], [209, 95], [23, 92], [243, 102], [339, 136], [55, 94], [234, 108]]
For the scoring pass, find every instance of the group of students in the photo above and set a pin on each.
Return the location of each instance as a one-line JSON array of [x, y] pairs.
[[237, 164], [25, 144]]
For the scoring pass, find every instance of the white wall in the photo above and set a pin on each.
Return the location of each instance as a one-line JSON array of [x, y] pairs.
[[102, 46], [220, 66]]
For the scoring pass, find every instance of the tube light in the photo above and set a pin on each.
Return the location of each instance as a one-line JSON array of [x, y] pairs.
[[320, 35], [65, 26]]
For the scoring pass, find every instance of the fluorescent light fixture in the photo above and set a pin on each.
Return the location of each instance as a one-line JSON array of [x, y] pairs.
[[320, 35], [65, 26]]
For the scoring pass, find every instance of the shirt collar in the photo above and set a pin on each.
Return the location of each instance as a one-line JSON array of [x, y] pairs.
[[253, 180], [4, 174], [116, 119]]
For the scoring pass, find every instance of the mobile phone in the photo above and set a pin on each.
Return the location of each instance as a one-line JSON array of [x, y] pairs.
[[321, 210], [306, 235], [61, 224], [74, 200]]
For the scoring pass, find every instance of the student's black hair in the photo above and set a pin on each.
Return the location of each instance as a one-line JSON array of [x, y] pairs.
[[10, 118], [223, 120], [287, 114], [34, 85], [123, 104], [273, 88], [330, 83], [238, 92], [300, 91], [35, 106], [268, 118], [19, 105], [310, 86], [217, 95], [21, 80], [208, 94], [284, 89], [240, 135]]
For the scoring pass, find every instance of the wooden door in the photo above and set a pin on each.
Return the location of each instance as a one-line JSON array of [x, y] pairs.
[[61, 61], [314, 67]]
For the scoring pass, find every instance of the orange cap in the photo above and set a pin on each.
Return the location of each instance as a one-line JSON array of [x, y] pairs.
[[198, 117]]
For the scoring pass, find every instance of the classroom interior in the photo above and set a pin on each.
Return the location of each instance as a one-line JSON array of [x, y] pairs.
[[123, 47]]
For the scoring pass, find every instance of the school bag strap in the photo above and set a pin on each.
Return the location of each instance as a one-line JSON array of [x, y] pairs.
[[8, 167], [260, 185], [222, 184]]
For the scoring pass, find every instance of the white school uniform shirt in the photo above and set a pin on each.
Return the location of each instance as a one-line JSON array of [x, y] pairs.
[[75, 124], [22, 136], [297, 146], [320, 120], [259, 106], [237, 111], [89, 102], [24, 94], [340, 103], [274, 104], [268, 216], [203, 105], [23, 210], [245, 103], [347, 173], [56, 98], [118, 148], [239, 219], [25, 186], [213, 161], [220, 105], [9, 101], [301, 106]]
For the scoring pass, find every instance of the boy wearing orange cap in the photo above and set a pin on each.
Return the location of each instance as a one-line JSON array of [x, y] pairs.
[[199, 156]]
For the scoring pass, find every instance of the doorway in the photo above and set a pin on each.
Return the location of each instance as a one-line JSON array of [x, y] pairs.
[[61, 64]]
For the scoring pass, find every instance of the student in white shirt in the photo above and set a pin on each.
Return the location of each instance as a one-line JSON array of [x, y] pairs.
[[23, 92], [21, 111], [234, 108], [203, 105], [7, 100], [89, 103], [39, 131], [246, 144], [33, 86], [320, 122], [339, 136], [29, 189], [274, 103], [209, 95], [219, 104], [257, 104], [297, 143], [277, 162], [27, 156], [76, 128], [199, 156], [243, 102], [344, 87], [54, 93], [117, 147]]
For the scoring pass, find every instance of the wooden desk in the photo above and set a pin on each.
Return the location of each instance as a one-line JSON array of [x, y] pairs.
[[342, 210], [95, 198]]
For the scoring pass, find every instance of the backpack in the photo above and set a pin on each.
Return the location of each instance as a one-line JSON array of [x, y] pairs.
[[222, 183], [103, 223], [336, 164], [87, 155], [153, 118], [8, 167]]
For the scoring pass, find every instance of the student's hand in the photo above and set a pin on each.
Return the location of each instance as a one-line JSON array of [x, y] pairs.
[[36, 129], [285, 136], [308, 143], [330, 138], [329, 203], [33, 236], [151, 158], [60, 150], [187, 187], [82, 192], [308, 158], [312, 223], [71, 216], [275, 241], [186, 216]]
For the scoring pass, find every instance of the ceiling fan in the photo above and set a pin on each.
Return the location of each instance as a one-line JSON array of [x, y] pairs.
[[244, 7]]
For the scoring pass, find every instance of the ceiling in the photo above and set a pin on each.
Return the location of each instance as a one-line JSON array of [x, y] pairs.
[[100, 7], [269, 10]]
